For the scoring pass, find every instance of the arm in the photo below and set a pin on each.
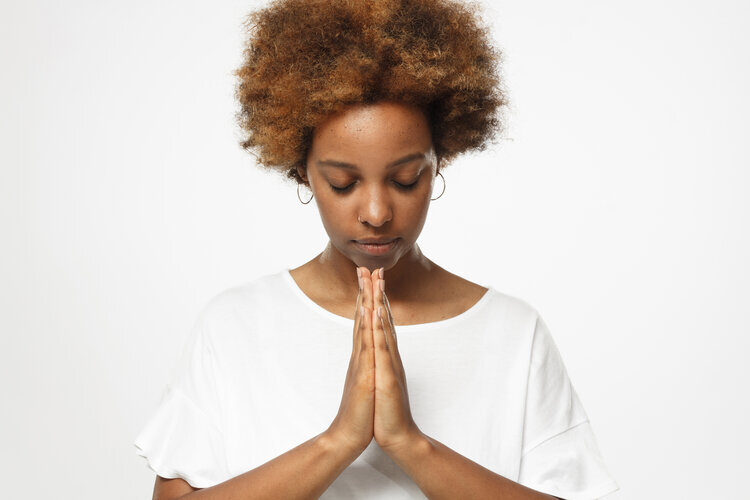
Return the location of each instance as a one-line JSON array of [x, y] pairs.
[[302, 472], [309, 469], [440, 472]]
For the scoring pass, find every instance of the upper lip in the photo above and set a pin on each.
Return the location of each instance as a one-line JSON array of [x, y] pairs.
[[376, 241]]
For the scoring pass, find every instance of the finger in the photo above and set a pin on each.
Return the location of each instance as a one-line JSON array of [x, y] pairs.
[[367, 288], [381, 301], [390, 318], [378, 304], [383, 361], [357, 309], [366, 336], [366, 308], [390, 327], [390, 338], [382, 325], [364, 327]]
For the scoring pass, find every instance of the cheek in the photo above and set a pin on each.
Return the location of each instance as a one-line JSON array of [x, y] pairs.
[[335, 214], [418, 209], [420, 202]]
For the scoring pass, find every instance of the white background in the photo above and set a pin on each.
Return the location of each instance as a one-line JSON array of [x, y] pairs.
[[617, 205]]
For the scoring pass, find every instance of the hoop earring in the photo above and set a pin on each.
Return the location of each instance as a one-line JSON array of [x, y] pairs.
[[300, 199], [443, 191]]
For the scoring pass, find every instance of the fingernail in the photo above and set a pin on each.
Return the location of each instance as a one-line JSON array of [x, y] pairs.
[[382, 270], [379, 314], [359, 273], [382, 286]]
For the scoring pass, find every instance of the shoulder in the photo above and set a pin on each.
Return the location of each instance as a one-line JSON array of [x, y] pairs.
[[262, 293], [514, 306], [493, 301], [505, 317]]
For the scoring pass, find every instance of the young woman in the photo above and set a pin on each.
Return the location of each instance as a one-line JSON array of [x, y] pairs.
[[365, 103]]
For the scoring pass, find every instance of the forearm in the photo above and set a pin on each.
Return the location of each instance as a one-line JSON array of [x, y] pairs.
[[301, 473], [442, 473]]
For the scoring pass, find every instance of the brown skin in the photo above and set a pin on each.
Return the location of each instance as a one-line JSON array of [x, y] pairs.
[[371, 138], [375, 401]]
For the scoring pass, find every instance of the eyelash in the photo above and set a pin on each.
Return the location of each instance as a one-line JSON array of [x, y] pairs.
[[403, 187]]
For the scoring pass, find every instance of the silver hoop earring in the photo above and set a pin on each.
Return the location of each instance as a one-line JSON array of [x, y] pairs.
[[300, 199], [443, 191]]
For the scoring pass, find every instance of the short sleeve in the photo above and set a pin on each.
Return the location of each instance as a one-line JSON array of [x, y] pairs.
[[184, 437], [560, 454]]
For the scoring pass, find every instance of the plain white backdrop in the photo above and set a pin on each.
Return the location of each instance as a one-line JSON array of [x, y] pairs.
[[616, 204]]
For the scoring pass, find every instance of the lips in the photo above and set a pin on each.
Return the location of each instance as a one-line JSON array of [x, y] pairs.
[[376, 241], [376, 246]]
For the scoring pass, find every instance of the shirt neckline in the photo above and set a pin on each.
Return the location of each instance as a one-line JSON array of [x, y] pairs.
[[443, 323]]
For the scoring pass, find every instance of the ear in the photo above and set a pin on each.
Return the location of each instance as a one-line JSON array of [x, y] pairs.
[[302, 172]]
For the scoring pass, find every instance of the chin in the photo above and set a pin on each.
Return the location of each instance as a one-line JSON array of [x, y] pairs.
[[375, 262]]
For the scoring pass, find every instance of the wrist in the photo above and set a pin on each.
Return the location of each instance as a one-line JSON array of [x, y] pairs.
[[338, 444], [415, 446]]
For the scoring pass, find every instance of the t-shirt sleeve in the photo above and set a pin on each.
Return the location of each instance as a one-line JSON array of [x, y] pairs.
[[184, 437], [560, 454]]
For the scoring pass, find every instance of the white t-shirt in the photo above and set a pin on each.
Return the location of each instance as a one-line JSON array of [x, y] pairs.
[[263, 371]]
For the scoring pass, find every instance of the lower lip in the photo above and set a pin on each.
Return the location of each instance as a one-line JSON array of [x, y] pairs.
[[376, 249]]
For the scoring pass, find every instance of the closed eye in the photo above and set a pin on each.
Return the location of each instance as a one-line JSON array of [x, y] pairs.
[[341, 189], [406, 187], [403, 187]]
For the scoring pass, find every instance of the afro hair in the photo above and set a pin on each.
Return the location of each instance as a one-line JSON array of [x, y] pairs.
[[305, 60]]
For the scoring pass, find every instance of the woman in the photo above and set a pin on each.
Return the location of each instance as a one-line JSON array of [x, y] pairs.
[[364, 103]]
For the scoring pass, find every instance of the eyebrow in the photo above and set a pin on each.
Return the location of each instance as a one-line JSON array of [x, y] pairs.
[[342, 164]]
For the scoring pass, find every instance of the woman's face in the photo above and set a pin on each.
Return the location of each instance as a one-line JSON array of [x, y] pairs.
[[376, 163]]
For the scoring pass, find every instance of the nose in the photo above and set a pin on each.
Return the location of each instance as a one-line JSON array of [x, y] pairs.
[[376, 208]]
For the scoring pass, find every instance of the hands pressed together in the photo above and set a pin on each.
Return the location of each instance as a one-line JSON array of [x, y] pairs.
[[375, 402]]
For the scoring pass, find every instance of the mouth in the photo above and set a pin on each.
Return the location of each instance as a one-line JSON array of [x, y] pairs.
[[376, 247]]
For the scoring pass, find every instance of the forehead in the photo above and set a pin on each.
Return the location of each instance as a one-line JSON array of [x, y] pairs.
[[382, 130]]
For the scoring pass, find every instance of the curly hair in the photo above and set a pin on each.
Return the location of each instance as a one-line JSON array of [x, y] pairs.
[[305, 60]]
